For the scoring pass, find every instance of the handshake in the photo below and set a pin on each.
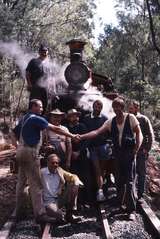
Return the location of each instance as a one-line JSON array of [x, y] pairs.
[[77, 137]]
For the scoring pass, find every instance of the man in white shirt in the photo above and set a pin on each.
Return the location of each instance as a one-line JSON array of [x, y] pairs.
[[61, 144], [56, 193]]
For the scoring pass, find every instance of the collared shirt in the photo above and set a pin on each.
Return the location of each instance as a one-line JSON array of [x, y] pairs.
[[51, 182]]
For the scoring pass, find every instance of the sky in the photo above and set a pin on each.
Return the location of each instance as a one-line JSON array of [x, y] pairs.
[[105, 10]]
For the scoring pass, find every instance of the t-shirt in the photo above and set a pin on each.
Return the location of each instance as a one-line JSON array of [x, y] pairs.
[[31, 125], [35, 68], [93, 123], [133, 123]]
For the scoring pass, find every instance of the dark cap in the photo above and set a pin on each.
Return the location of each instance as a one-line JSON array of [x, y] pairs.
[[43, 48]]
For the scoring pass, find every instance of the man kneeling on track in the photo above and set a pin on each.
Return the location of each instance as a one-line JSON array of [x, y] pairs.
[[60, 188]]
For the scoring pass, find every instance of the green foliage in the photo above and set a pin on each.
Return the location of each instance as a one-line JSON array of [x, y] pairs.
[[127, 55], [31, 22]]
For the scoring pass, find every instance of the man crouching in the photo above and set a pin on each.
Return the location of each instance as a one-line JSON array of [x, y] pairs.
[[60, 188]]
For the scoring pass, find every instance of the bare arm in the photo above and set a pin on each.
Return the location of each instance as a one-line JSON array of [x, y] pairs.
[[151, 136], [93, 134], [68, 152], [60, 131], [28, 78], [14, 139], [139, 138]]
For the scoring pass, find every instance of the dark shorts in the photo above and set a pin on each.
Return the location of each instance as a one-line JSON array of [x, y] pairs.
[[100, 152]]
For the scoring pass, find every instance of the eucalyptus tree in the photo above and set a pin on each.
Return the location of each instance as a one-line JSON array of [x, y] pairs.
[[127, 54]]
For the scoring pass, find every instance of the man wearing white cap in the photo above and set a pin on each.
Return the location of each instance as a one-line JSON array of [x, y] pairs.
[[61, 144]]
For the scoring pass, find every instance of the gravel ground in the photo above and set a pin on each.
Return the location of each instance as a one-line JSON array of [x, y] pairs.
[[7, 191], [120, 226], [89, 228], [27, 229], [129, 229]]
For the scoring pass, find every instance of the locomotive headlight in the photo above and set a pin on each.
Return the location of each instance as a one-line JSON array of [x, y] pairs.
[[76, 74]]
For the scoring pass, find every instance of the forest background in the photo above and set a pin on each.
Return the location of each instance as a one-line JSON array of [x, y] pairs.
[[129, 53]]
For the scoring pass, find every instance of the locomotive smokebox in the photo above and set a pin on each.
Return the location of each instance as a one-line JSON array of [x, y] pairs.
[[77, 72]]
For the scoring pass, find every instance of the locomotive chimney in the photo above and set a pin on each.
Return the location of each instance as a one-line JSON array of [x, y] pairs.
[[76, 47]]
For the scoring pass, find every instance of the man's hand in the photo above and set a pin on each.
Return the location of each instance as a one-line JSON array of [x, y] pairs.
[[76, 138]]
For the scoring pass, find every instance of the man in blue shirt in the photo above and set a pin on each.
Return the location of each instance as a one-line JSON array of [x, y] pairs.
[[28, 133]]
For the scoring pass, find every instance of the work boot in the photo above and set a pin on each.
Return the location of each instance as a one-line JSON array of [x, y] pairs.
[[132, 216], [100, 196], [71, 218]]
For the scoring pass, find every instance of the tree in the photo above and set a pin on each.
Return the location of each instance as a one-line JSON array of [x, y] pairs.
[[127, 55], [31, 22]]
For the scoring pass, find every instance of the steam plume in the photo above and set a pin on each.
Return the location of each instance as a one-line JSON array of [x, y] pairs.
[[14, 51]]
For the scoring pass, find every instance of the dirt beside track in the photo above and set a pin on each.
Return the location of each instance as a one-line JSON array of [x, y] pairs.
[[7, 191]]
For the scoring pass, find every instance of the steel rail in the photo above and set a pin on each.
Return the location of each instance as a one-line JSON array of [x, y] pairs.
[[46, 232], [106, 227], [6, 229], [151, 217]]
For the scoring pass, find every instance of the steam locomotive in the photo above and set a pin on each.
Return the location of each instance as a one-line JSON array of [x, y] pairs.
[[77, 74]]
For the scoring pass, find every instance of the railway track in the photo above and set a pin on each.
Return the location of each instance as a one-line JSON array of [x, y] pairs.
[[101, 222]]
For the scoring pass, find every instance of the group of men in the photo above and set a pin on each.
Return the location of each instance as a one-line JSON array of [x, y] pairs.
[[77, 147], [132, 138]]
